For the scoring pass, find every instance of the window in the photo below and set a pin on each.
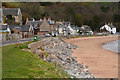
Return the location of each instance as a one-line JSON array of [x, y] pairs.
[[35, 26]]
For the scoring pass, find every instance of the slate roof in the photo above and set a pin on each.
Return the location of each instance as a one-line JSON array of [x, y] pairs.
[[37, 22], [111, 26], [21, 27], [3, 27], [85, 27], [10, 11], [65, 22]]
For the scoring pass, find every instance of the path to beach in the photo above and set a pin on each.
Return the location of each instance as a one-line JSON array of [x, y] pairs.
[[103, 63]]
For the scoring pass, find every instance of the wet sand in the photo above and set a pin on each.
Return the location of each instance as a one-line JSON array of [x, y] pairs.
[[102, 63]]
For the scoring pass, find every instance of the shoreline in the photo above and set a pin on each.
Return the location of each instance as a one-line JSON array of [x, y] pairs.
[[115, 45], [96, 56]]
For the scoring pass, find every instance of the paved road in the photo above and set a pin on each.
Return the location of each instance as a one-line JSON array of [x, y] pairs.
[[4, 43]]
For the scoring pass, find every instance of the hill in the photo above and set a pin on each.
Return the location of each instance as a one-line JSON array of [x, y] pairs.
[[92, 14]]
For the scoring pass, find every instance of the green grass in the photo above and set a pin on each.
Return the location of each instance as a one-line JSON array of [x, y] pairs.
[[17, 63], [83, 36]]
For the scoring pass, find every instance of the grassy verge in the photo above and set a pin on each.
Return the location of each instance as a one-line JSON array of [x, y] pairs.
[[83, 36], [18, 63]]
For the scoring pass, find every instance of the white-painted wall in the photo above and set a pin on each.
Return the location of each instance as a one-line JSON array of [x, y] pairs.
[[60, 31], [111, 30], [73, 32]]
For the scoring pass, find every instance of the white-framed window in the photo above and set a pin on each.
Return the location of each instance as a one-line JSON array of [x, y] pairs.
[[35, 26]]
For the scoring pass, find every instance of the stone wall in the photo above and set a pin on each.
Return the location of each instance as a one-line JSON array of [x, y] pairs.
[[35, 45], [9, 36]]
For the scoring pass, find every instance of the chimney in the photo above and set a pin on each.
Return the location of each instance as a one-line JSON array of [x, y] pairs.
[[49, 19], [33, 19], [44, 18], [27, 20], [108, 23], [40, 19]]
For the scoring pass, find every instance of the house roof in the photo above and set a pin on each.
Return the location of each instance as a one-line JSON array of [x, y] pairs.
[[3, 27], [85, 27], [21, 27], [111, 26], [37, 22], [10, 11], [65, 22]]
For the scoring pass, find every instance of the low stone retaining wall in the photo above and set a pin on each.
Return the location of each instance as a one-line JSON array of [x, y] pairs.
[[9, 36], [35, 45]]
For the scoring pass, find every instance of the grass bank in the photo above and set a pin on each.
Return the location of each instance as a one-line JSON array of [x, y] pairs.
[[17, 63], [69, 37]]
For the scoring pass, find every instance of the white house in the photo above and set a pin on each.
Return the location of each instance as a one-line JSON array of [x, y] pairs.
[[86, 30], [109, 27], [72, 31], [5, 29]]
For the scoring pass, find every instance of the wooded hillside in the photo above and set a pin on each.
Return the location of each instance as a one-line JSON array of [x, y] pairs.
[[92, 14]]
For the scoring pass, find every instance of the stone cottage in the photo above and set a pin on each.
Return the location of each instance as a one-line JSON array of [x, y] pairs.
[[24, 30], [42, 26], [14, 12]]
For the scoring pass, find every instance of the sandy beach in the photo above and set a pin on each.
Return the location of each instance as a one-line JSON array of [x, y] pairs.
[[102, 63]]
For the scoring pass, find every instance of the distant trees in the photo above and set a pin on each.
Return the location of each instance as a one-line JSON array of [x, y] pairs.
[[78, 19], [33, 10], [69, 13], [116, 18], [104, 9], [76, 13], [10, 20], [96, 23], [45, 14]]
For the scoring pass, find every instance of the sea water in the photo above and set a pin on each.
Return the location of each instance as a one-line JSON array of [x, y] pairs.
[[113, 46]]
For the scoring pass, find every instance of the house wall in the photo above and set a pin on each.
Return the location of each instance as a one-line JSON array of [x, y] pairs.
[[42, 32], [60, 31], [18, 19], [113, 30], [44, 26]]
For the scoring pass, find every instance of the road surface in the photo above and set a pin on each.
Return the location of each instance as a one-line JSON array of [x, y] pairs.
[[4, 43]]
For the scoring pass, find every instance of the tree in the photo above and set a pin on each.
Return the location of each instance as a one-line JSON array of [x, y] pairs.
[[116, 18], [78, 19], [96, 23], [9, 17], [104, 9], [33, 10], [45, 14], [69, 13]]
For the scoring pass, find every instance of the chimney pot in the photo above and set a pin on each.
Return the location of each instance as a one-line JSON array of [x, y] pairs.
[[44, 18], [49, 18], [40, 19]]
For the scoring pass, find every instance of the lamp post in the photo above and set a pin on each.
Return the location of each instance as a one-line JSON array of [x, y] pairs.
[[17, 41]]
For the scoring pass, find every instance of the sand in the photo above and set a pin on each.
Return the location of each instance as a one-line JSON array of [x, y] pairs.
[[102, 63]]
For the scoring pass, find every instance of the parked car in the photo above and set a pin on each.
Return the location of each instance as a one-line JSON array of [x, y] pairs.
[[47, 35]]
